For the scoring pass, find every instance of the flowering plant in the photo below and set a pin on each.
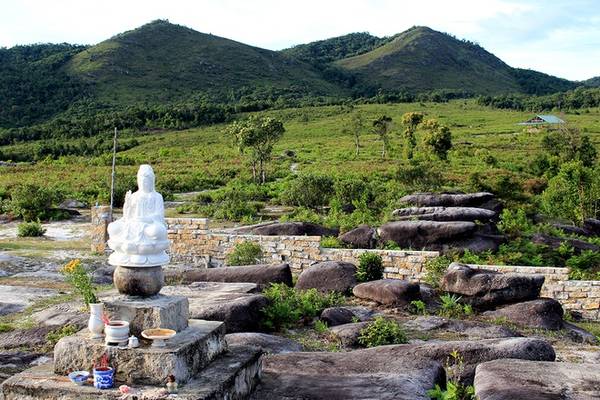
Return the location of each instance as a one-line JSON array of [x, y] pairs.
[[80, 280]]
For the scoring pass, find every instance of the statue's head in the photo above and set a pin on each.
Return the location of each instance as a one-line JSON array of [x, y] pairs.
[[145, 178]]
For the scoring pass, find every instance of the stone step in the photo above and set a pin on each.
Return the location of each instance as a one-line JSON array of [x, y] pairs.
[[184, 355], [233, 375]]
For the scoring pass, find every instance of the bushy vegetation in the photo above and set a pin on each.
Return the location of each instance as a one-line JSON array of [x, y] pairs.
[[435, 268], [451, 307], [569, 100], [30, 229], [381, 332], [32, 202], [370, 267], [245, 253], [455, 389], [289, 307]]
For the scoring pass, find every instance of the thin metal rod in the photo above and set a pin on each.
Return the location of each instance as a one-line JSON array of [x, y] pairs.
[[112, 180]]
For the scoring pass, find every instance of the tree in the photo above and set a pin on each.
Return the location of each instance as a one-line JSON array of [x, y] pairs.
[[257, 135], [355, 127], [574, 193], [438, 138], [411, 121], [567, 144], [382, 127]]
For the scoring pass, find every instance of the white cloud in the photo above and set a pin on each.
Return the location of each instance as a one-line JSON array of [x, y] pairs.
[[538, 34]]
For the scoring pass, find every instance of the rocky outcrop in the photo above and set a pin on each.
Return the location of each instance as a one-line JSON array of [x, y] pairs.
[[592, 225], [361, 237], [444, 214], [328, 276], [348, 334], [521, 379], [333, 316], [555, 242], [540, 313], [472, 330], [270, 344], [572, 230], [487, 289], [362, 374], [262, 275], [294, 229], [388, 291], [447, 199], [420, 234]]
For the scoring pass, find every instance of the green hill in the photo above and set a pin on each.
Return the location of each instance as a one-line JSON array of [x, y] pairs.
[[421, 59], [593, 82], [163, 62]]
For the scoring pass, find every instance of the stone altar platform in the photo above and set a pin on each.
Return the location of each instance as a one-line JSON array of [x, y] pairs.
[[232, 375], [184, 355]]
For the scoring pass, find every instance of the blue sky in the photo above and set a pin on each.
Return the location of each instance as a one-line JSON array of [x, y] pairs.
[[559, 37]]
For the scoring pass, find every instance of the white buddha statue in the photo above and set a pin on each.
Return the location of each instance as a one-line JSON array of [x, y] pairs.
[[139, 238]]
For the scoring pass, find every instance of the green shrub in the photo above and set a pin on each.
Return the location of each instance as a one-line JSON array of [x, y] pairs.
[[417, 307], [435, 268], [348, 191], [302, 214], [514, 223], [370, 267], [331, 242], [309, 190], [245, 253], [585, 266], [455, 390], [381, 332], [320, 326], [419, 175], [30, 229], [451, 307], [32, 202], [289, 307], [54, 336]]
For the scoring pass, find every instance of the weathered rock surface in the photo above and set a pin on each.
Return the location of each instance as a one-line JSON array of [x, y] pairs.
[[540, 313], [477, 351], [536, 380], [470, 329], [578, 334], [16, 298], [233, 303], [388, 291], [294, 229], [444, 214], [328, 276], [13, 362], [268, 343], [62, 314], [477, 243], [262, 275], [592, 225], [572, 230], [554, 243], [25, 338], [447, 199], [361, 237], [344, 315], [486, 289], [420, 234], [72, 203], [361, 374], [348, 333]]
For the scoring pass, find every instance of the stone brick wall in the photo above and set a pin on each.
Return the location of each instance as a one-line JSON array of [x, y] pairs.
[[101, 216]]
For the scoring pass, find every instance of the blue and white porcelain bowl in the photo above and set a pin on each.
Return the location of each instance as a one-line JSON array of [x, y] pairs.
[[79, 377]]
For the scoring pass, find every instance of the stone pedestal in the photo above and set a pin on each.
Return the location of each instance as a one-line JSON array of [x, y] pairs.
[[101, 216], [169, 312], [139, 281], [184, 355]]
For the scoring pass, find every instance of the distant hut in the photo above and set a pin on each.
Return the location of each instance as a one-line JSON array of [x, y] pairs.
[[542, 121]]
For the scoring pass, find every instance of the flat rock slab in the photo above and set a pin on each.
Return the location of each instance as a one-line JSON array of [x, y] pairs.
[[262, 275], [468, 329], [444, 214], [345, 314], [183, 356], [159, 311], [233, 375], [62, 314], [487, 289], [328, 276], [362, 374], [25, 338], [536, 380], [539, 313], [232, 303], [268, 343], [420, 234], [16, 298], [447, 199], [388, 291]]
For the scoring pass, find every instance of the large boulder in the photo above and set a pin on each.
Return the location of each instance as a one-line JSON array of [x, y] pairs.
[[487, 289], [328, 276], [536, 380], [420, 234], [362, 374], [26, 338], [555, 242], [344, 315], [477, 243], [472, 330], [592, 225], [447, 199], [348, 334], [444, 214], [540, 313], [572, 230], [262, 275], [268, 343], [388, 291], [361, 237], [294, 229]]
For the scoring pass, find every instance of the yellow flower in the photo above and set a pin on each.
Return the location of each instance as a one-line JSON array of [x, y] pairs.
[[70, 266]]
